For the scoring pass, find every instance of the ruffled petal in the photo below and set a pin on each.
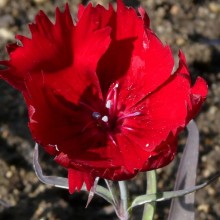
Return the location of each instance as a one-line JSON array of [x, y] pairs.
[[150, 67], [133, 154], [101, 94], [167, 109], [62, 159], [198, 95], [91, 37], [77, 179], [116, 61], [51, 149], [56, 47], [136, 58], [48, 50], [162, 155], [198, 91], [145, 17], [82, 73], [50, 111]]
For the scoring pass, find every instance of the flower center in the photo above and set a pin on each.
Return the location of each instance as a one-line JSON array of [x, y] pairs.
[[112, 120], [101, 121], [109, 118]]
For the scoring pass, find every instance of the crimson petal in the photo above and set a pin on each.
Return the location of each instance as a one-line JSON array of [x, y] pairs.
[[77, 179], [101, 94]]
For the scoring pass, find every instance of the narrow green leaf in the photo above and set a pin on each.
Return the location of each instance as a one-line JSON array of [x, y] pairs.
[[63, 182], [158, 197]]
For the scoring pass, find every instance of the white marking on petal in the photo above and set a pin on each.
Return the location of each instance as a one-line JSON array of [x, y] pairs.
[[145, 46], [128, 128], [130, 115], [56, 147], [108, 104], [105, 118]]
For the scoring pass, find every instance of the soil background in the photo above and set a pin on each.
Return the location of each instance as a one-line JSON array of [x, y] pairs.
[[193, 26]]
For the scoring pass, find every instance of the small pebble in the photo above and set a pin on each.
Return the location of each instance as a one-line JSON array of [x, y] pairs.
[[174, 10], [39, 1], [3, 3], [214, 7], [6, 34], [9, 174], [203, 208], [180, 41]]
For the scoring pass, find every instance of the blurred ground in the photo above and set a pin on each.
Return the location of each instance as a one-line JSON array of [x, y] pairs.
[[193, 26]]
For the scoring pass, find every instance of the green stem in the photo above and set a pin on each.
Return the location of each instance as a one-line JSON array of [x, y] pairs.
[[149, 208], [123, 200]]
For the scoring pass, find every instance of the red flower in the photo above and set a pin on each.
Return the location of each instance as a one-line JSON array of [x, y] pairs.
[[102, 94]]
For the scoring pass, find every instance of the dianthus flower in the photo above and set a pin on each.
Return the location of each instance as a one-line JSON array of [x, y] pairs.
[[102, 93]]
